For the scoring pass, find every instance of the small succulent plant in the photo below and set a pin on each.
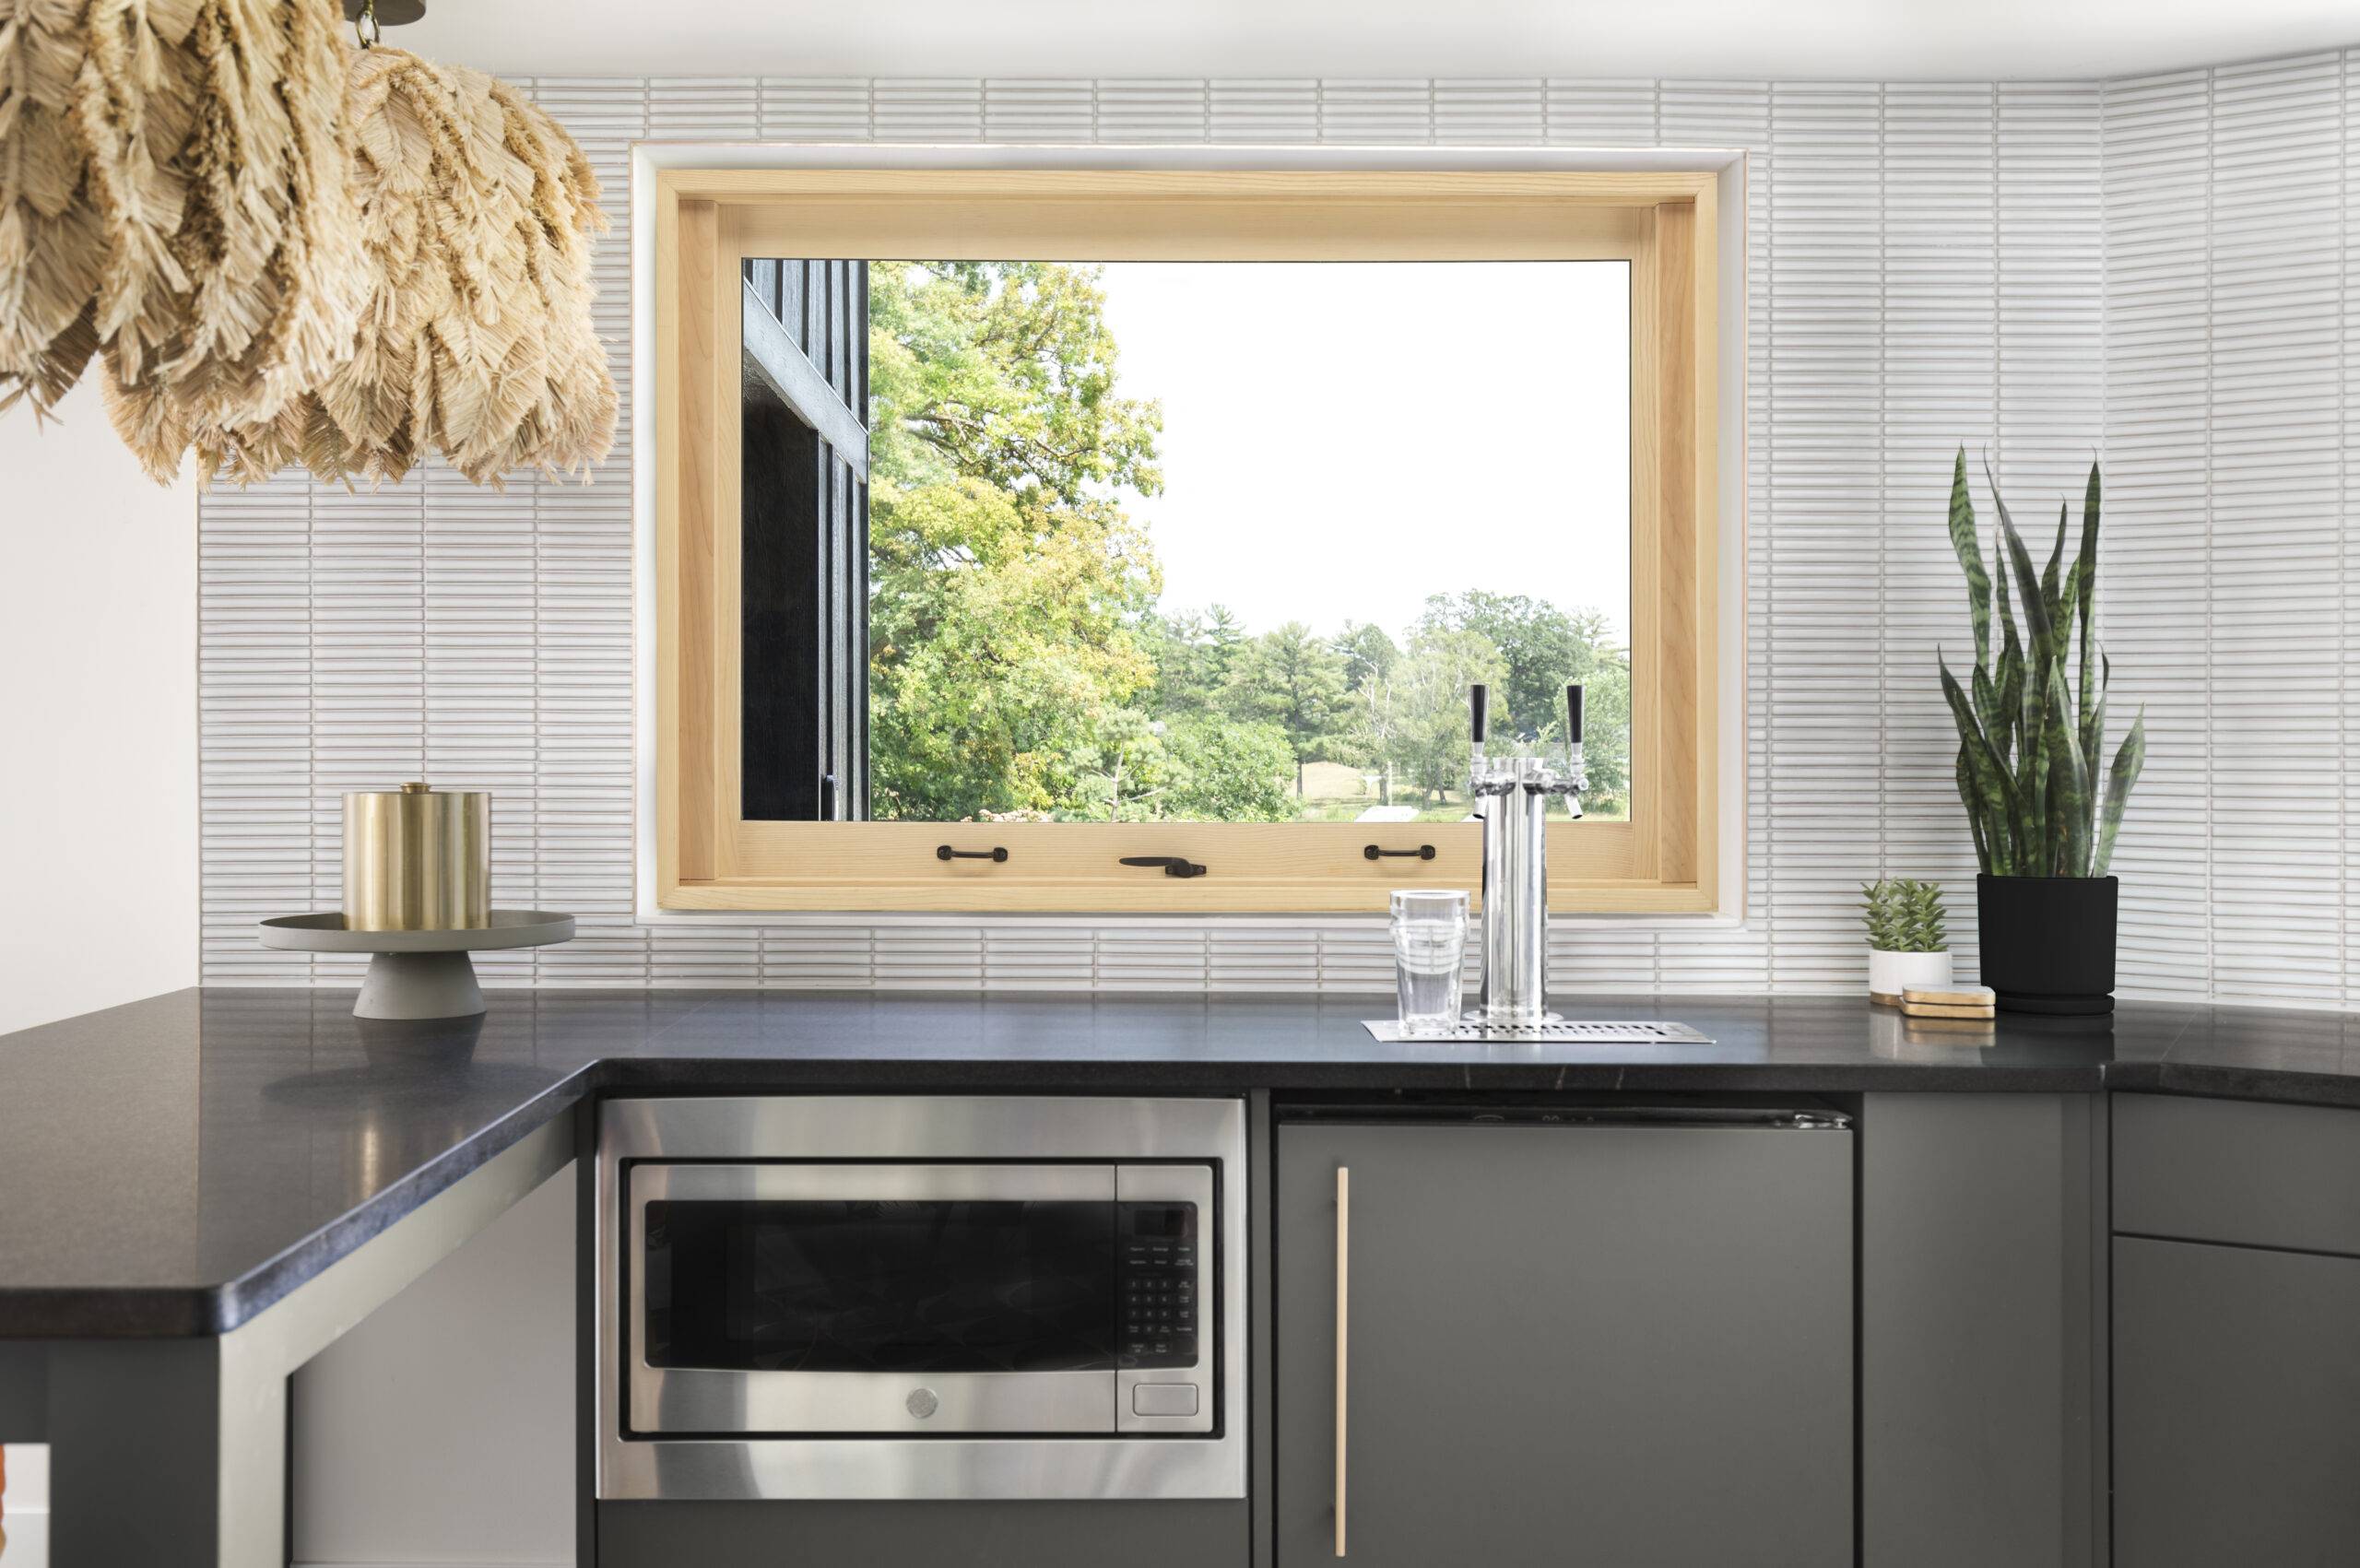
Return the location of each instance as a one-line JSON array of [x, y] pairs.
[[1905, 915]]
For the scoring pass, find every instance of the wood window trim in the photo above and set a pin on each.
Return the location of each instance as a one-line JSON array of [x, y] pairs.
[[1665, 860]]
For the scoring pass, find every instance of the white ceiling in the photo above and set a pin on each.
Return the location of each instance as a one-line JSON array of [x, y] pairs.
[[1878, 40]]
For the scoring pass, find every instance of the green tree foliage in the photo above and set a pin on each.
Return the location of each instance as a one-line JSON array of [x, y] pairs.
[[1294, 680], [1118, 769], [1006, 586], [1426, 716], [1368, 652], [1003, 371], [1229, 773], [1544, 649], [1371, 734], [1194, 653], [1134, 768]]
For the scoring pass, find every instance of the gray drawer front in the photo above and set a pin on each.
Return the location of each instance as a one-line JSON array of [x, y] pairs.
[[934, 1535], [2230, 1171]]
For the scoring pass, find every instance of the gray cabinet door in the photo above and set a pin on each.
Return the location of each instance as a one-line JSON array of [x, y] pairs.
[[2237, 1406], [1592, 1345]]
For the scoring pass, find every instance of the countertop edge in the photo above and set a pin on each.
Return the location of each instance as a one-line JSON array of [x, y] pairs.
[[231, 1306], [2211, 1080], [184, 1311]]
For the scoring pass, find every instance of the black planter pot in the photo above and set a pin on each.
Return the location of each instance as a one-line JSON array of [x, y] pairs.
[[2047, 943]]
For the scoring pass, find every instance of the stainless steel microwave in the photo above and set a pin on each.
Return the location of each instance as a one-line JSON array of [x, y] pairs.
[[921, 1296]]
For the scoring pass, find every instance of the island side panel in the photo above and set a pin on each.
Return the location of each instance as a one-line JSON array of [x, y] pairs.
[[1980, 1398]]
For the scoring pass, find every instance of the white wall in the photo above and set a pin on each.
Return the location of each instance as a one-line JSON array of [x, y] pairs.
[[98, 720]]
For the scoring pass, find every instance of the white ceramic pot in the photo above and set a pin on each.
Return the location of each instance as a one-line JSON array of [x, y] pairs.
[[1892, 973]]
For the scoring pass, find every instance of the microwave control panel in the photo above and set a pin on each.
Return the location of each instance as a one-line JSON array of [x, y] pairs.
[[1157, 1284]]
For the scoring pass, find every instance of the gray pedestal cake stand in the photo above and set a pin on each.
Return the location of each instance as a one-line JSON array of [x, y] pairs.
[[417, 973]]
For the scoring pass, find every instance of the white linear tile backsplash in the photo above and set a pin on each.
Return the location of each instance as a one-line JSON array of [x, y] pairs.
[[2160, 270]]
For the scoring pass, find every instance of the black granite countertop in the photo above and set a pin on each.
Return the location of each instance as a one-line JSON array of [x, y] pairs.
[[173, 1166]]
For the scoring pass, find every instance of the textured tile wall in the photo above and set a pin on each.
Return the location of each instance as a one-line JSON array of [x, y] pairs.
[[2232, 364], [2160, 267]]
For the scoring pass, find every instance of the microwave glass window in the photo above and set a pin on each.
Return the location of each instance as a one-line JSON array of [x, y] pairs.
[[898, 1287]]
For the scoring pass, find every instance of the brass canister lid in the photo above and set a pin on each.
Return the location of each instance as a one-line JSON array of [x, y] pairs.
[[416, 859]]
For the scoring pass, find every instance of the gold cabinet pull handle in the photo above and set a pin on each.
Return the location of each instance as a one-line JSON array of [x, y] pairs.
[[1344, 1333]]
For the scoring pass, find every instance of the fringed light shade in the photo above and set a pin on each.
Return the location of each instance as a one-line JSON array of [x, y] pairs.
[[54, 250], [292, 252], [173, 191], [476, 340]]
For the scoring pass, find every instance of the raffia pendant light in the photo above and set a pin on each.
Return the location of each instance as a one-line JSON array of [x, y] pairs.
[[173, 191], [51, 245], [476, 340], [288, 251]]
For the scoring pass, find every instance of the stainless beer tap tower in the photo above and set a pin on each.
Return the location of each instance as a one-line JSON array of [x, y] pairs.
[[1511, 794]]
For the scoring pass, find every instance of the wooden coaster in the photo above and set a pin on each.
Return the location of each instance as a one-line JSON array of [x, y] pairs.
[[1947, 1030], [1929, 1009], [1954, 996]]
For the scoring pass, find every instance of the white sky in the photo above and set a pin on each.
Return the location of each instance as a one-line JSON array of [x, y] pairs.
[[1342, 439]]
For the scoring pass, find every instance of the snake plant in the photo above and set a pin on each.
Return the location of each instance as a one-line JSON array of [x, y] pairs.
[[2031, 723]]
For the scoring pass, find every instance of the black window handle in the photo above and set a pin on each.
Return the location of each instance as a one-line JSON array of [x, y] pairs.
[[1423, 852], [944, 852], [1174, 866]]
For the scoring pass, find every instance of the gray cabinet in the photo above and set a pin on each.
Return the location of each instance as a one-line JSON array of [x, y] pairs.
[[1981, 1311], [1564, 1344], [2236, 1366], [2237, 1390]]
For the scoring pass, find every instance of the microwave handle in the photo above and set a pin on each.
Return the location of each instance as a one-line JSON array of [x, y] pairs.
[[1343, 1338]]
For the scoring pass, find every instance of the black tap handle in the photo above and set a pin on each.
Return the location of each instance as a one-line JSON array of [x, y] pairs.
[[1478, 709], [1574, 712]]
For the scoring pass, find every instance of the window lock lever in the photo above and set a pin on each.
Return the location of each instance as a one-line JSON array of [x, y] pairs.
[[1174, 865]]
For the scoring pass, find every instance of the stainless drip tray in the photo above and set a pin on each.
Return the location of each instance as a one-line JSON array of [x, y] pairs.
[[1576, 1031]]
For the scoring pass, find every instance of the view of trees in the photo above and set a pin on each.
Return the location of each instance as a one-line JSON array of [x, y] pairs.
[[1022, 664]]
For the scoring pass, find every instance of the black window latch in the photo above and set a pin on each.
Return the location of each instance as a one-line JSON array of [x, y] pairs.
[[1174, 866]]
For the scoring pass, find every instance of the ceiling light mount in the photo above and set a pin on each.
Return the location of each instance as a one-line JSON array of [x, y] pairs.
[[371, 17]]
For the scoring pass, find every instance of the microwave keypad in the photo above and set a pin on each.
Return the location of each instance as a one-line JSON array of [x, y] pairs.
[[1158, 1281]]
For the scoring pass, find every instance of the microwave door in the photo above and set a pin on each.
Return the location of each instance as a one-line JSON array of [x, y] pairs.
[[859, 1299]]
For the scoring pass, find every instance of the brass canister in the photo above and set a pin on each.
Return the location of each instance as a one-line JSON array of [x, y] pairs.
[[416, 859]]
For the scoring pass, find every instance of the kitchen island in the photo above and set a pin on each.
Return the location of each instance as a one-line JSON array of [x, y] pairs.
[[199, 1191]]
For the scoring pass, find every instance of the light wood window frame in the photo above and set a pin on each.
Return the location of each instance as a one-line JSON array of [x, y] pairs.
[[1664, 859]]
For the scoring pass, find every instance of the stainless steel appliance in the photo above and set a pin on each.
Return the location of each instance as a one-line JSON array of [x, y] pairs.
[[1512, 794], [921, 1297]]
